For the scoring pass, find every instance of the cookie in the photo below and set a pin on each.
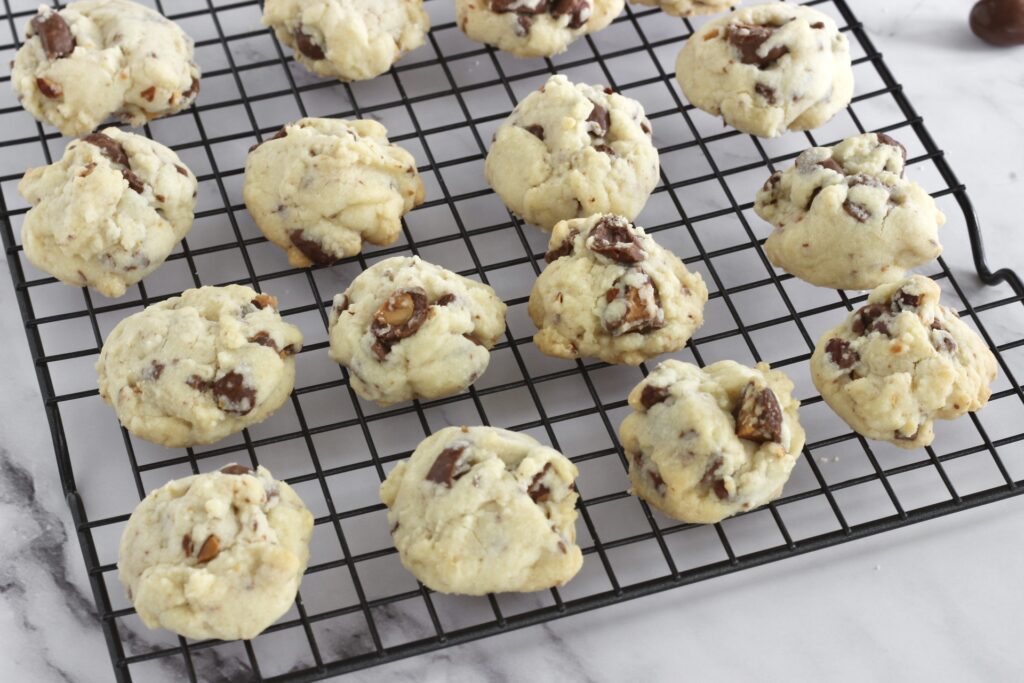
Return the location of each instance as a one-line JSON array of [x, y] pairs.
[[768, 69], [321, 187], [408, 329], [109, 212], [100, 58], [610, 291], [216, 555], [846, 218], [197, 367], [533, 28], [900, 362], [688, 8], [573, 150], [707, 443], [479, 510], [351, 40]]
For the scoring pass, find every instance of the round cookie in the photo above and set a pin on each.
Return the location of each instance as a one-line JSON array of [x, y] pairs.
[[612, 292], [351, 40], [768, 68], [688, 8], [572, 150], [900, 362], [408, 329], [533, 28], [706, 444], [846, 218], [109, 212], [200, 366], [320, 187], [216, 555], [479, 510], [97, 58]]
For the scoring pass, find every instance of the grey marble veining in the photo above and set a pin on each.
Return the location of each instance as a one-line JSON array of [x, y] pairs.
[[938, 600]]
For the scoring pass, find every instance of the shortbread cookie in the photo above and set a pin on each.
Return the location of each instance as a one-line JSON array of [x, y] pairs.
[[408, 329], [573, 150], [534, 28], [321, 187], [768, 69], [705, 444], [845, 217], [480, 510], [109, 212], [351, 40], [100, 58], [689, 8], [612, 292], [216, 555], [900, 362], [200, 366]]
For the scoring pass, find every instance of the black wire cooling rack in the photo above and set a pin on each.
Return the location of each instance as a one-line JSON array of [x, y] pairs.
[[357, 607]]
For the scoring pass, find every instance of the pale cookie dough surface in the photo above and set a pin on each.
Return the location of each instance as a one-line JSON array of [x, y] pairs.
[[100, 58], [109, 212], [845, 217], [200, 366], [689, 8], [479, 510], [321, 187], [533, 28], [611, 292], [351, 40], [901, 362], [572, 150], [216, 555], [409, 329], [706, 444], [768, 69]]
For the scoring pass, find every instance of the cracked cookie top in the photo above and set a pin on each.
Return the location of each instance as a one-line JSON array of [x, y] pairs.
[[97, 58], [216, 555], [610, 291], [320, 187], [350, 40], [409, 329], [533, 28], [846, 217], [707, 443], [109, 212], [768, 68], [572, 150], [200, 366], [479, 510], [900, 362]]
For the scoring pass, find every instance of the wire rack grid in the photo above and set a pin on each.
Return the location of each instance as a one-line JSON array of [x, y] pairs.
[[357, 607]]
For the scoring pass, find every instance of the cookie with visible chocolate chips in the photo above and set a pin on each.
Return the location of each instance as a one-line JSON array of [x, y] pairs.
[[99, 58], [479, 510], [900, 362], [768, 68], [319, 188], [350, 40], [572, 150], [408, 329], [109, 212], [197, 367], [689, 8], [611, 292], [707, 443], [845, 217], [533, 28], [216, 555]]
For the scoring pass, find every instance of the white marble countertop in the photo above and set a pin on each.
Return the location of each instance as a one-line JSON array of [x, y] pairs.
[[935, 601]]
